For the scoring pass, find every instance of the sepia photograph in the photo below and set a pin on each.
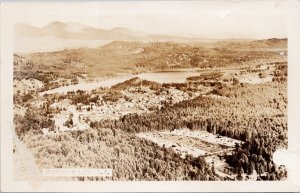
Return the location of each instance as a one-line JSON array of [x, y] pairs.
[[149, 91]]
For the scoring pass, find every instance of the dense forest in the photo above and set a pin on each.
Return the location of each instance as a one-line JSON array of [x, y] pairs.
[[251, 113], [261, 125], [256, 114], [130, 158]]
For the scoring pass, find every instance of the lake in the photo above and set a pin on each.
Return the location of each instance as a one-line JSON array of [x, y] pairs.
[[174, 76]]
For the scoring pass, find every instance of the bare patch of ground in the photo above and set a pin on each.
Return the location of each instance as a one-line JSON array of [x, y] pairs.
[[195, 143]]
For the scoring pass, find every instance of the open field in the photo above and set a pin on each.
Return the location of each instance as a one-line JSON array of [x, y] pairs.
[[192, 143]]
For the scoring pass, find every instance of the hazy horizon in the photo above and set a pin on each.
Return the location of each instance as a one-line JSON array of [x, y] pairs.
[[201, 19], [192, 36]]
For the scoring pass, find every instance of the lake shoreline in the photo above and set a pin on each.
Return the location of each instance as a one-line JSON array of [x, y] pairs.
[[173, 76]]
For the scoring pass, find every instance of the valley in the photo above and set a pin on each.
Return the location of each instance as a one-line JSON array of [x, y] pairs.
[[157, 110]]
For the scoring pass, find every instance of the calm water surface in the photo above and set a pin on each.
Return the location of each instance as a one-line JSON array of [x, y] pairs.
[[160, 77]]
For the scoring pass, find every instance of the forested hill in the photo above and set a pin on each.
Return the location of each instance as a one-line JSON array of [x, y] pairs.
[[134, 57]]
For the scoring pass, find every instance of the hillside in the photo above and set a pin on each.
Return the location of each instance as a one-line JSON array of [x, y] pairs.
[[135, 57], [73, 31], [59, 36], [219, 114]]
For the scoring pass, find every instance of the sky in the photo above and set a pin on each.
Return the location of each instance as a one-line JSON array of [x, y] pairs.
[[205, 19]]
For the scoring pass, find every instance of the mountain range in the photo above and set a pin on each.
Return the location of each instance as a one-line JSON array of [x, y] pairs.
[[58, 36], [78, 31]]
